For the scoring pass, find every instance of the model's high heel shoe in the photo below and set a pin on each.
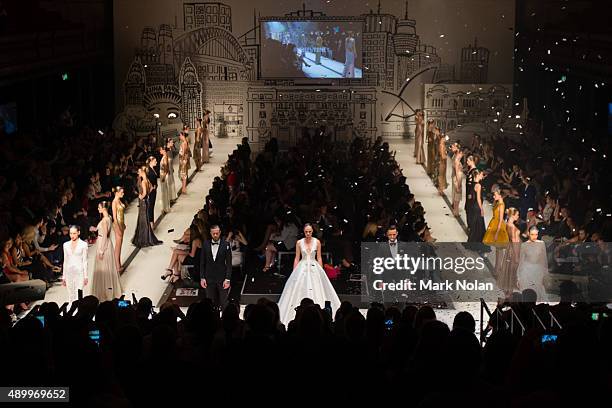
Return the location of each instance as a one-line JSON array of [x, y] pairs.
[[175, 278], [165, 276]]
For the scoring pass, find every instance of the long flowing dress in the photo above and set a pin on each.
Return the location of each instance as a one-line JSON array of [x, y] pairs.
[[105, 281], [442, 183], [507, 278], [171, 181], [75, 268], [184, 162], [197, 147], [477, 227], [502, 236], [457, 180], [431, 153], [206, 142], [419, 130], [533, 267], [308, 280], [469, 196], [164, 181], [144, 236]]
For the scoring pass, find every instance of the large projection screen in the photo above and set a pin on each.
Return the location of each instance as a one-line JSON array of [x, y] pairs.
[[311, 49]]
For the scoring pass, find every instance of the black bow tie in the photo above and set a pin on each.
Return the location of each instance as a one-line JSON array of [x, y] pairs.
[[392, 243], [215, 243]]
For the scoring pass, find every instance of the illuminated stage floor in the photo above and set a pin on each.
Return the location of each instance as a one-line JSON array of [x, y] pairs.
[[328, 68], [143, 274]]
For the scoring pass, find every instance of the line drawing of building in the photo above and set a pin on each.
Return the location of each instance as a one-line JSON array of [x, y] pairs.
[[474, 64], [191, 93], [452, 105], [201, 15], [378, 47], [283, 112], [445, 74], [178, 72], [135, 84], [406, 42]]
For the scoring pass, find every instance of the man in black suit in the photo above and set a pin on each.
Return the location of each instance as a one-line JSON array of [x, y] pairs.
[[216, 268], [388, 249]]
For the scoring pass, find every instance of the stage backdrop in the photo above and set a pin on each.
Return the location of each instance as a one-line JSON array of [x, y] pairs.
[[354, 67]]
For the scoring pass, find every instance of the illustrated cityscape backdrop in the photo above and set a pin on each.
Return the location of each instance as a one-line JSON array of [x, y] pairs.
[[178, 72]]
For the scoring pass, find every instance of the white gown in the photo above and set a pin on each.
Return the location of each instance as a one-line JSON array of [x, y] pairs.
[[308, 280], [533, 267], [75, 268]]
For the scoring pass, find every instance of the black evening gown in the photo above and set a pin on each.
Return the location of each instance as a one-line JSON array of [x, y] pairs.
[[477, 228], [144, 236]]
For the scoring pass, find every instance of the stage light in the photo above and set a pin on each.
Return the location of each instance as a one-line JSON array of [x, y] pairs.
[[65, 76]]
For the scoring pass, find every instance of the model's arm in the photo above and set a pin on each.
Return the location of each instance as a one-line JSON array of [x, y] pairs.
[[65, 265], [478, 197], [241, 238], [84, 261], [319, 257], [114, 209], [102, 240], [500, 209]]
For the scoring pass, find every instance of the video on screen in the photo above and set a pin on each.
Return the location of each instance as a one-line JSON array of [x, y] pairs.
[[311, 49]]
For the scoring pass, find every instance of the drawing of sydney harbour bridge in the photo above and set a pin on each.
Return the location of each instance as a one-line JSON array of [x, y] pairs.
[[198, 63]]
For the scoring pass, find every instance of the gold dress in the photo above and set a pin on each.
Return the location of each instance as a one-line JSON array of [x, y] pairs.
[[442, 183], [205, 144], [164, 178], [120, 221], [457, 180], [184, 162], [502, 236]]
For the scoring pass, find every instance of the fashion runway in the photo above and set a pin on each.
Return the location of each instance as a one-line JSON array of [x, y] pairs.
[[328, 68], [146, 265], [142, 276]]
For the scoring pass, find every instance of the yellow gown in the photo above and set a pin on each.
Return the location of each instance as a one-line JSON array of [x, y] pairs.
[[502, 236]]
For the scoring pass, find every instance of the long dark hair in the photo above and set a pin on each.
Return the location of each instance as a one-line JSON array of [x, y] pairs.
[[107, 206], [194, 233]]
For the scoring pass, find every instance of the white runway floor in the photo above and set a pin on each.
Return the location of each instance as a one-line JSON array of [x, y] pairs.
[[142, 277]]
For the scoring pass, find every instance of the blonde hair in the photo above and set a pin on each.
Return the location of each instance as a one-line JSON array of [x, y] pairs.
[[28, 233], [510, 212]]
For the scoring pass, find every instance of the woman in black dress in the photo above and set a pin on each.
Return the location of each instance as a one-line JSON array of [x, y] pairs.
[[152, 175], [469, 188], [477, 227], [144, 236]]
